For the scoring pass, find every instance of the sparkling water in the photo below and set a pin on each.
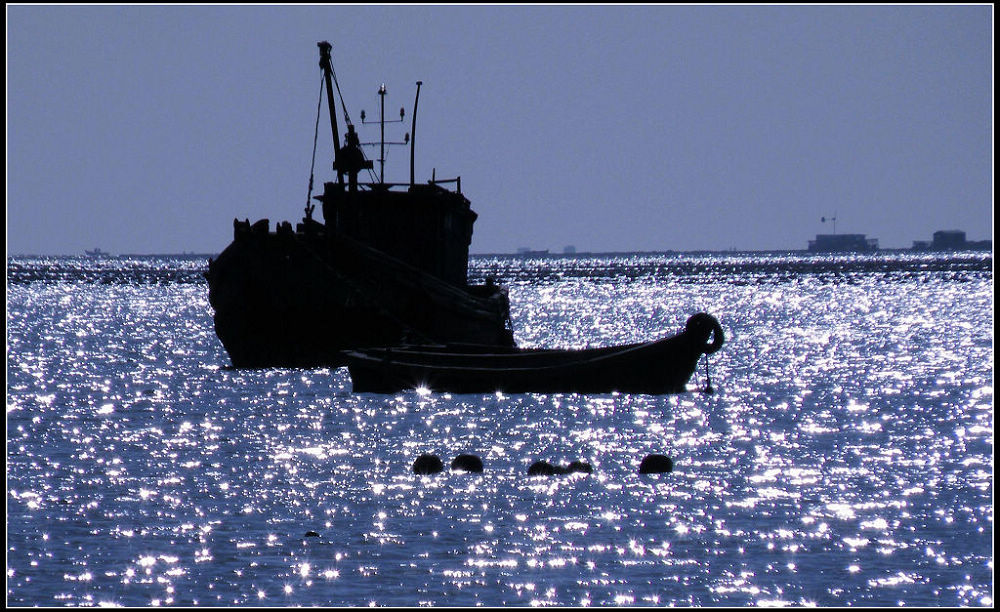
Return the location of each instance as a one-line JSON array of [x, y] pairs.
[[845, 458]]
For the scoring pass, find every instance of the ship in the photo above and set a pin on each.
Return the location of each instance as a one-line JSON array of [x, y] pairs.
[[386, 265]]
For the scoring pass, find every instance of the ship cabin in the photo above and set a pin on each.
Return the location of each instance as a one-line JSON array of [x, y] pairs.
[[426, 225], [423, 224]]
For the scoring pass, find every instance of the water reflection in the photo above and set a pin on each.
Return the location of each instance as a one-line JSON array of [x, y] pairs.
[[846, 458]]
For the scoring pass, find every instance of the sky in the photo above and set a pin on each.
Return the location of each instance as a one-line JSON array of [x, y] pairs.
[[148, 129]]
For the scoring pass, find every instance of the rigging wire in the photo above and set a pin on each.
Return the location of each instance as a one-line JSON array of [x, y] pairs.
[[347, 119], [333, 71], [312, 168]]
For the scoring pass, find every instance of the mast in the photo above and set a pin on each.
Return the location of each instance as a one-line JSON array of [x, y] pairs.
[[327, 65], [381, 153], [347, 159], [382, 142]]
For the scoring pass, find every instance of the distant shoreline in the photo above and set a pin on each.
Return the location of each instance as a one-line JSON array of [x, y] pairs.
[[725, 252], [551, 255]]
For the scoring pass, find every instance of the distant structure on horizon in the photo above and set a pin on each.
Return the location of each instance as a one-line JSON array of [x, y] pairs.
[[843, 243], [531, 253], [952, 240], [569, 249]]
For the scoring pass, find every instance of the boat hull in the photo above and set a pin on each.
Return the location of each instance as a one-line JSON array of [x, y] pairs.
[[658, 367], [298, 300]]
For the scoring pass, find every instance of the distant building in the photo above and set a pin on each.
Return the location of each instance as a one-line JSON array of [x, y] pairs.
[[948, 239], [569, 250], [843, 243], [527, 251], [951, 240]]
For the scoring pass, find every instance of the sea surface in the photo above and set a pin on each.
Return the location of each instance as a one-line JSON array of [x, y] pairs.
[[844, 459]]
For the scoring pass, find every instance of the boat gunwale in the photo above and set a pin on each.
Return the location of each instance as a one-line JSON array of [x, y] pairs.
[[573, 360]]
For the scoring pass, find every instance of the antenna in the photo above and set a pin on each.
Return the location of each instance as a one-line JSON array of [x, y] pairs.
[[413, 129], [382, 143], [833, 219]]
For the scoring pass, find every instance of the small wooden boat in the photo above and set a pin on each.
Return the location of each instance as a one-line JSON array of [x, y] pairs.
[[657, 367]]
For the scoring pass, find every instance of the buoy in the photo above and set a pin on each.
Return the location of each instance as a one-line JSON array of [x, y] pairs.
[[543, 468], [656, 464], [427, 464], [467, 463], [311, 534]]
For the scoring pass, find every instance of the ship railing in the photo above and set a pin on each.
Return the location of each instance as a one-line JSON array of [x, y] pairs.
[[457, 181]]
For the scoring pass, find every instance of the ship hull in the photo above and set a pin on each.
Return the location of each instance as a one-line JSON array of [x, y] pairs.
[[299, 299]]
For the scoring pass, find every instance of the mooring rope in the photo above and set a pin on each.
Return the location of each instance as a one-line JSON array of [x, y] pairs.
[[708, 378]]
